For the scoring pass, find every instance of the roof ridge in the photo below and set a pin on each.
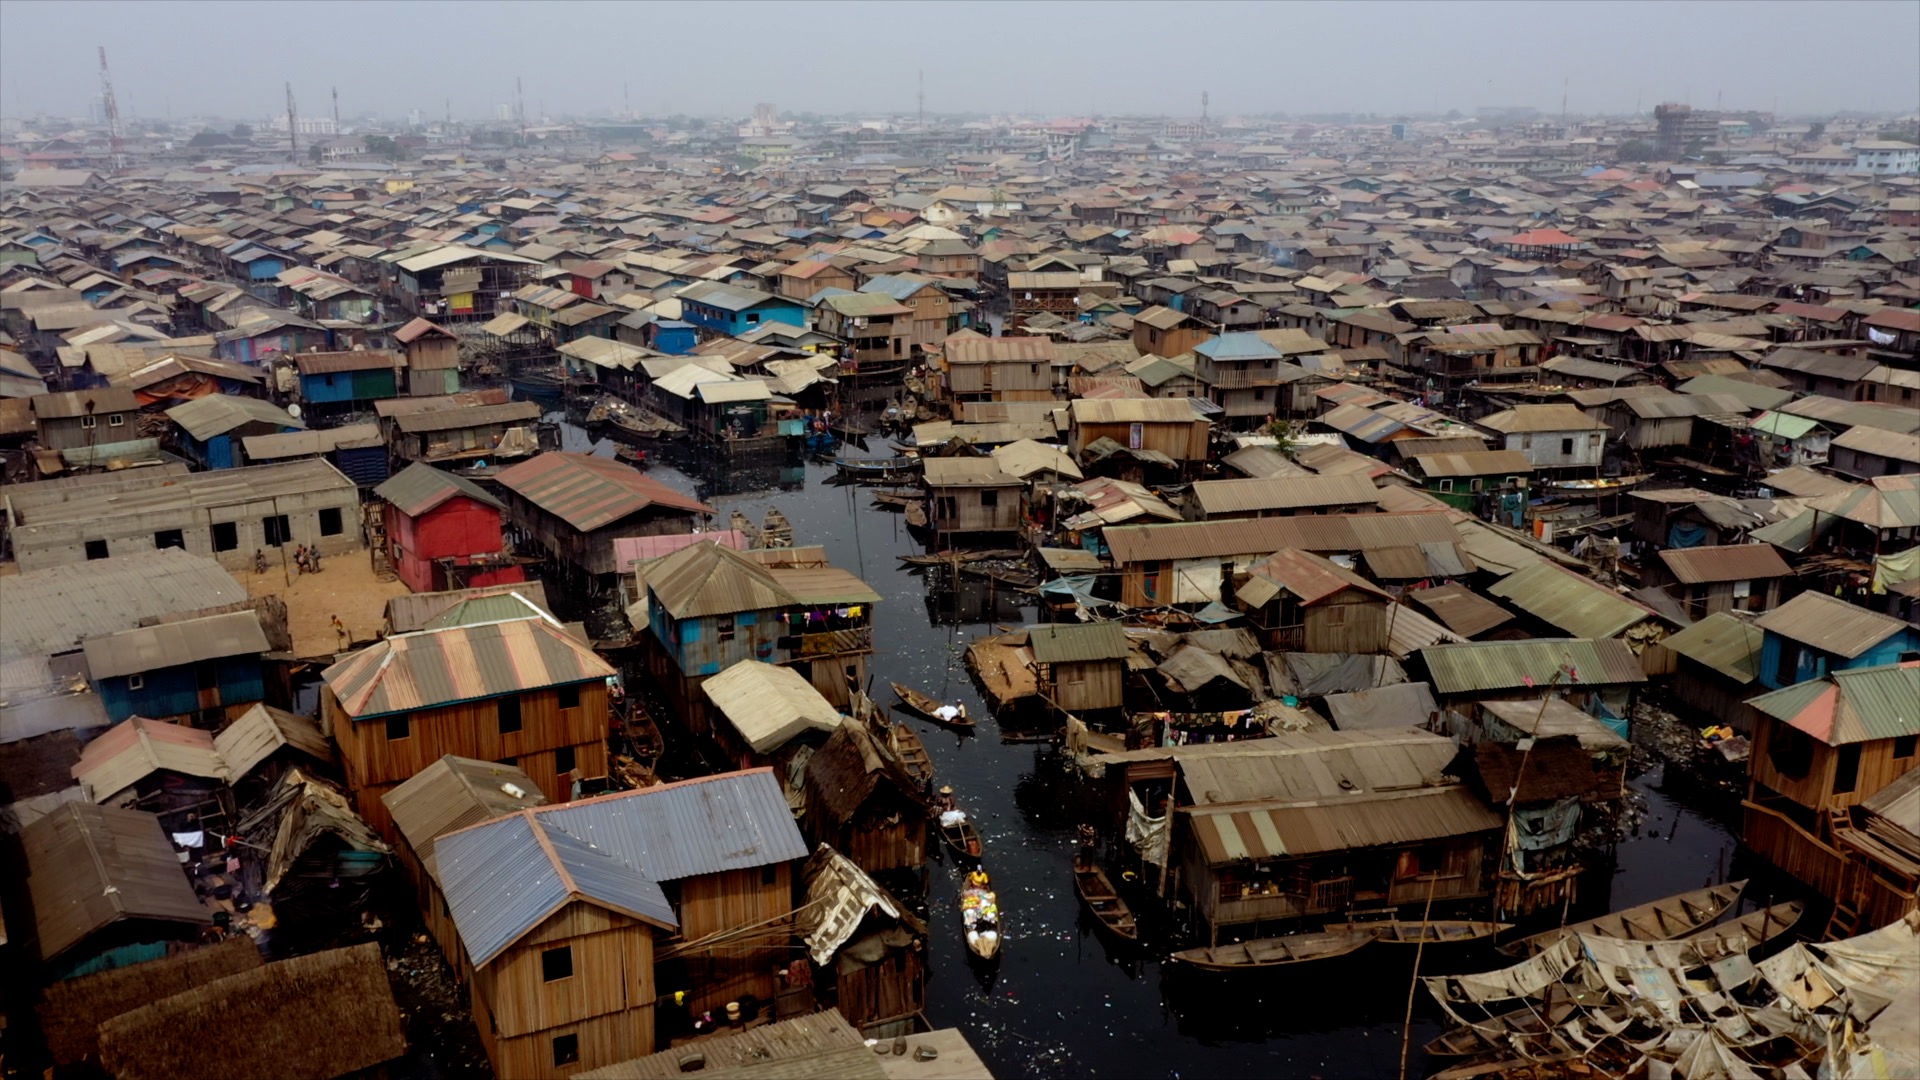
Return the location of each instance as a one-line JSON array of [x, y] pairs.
[[540, 837]]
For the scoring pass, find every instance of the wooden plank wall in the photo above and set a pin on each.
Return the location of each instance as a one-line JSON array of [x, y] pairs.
[[604, 1040], [612, 972]]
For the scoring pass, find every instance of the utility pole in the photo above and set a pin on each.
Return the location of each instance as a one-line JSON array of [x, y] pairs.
[[115, 137], [449, 112], [626, 103], [520, 106], [336, 110], [923, 99], [293, 129], [1203, 108]]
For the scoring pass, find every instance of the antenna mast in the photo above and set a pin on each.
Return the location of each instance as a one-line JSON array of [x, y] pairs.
[[923, 99], [336, 110], [1203, 107], [520, 105], [293, 129], [115, 137]]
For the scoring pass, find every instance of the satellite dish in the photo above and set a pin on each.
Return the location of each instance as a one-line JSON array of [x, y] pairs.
[[293, 411]]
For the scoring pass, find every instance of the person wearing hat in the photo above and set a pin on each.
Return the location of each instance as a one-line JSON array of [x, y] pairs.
[[944, 801]]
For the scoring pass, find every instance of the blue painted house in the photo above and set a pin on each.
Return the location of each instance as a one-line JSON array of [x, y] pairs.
[[212, 427], [733, 310], [673, 337], [1814, 634], [344, 381], [207, 669]]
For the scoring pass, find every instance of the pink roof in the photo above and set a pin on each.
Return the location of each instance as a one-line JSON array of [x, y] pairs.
[[628, 550], [1542, 238]]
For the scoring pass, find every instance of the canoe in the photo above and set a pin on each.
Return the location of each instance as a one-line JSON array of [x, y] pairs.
[[980, 922], [913, 753], [894, 500], [630, 455], [1656, 920], [1274, 952], [1097, 892], [916, 702], [917, 514], [538, 383], [1496, 1033], [962, 838], [1746, 932], [876, 470], [1436, 932]]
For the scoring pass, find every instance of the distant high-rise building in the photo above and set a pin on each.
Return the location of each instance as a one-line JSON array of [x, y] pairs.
[[503, 113], [1681, 126], [309, 125]]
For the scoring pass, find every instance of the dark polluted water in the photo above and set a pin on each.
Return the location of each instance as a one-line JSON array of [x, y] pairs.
[[1063, 1001]]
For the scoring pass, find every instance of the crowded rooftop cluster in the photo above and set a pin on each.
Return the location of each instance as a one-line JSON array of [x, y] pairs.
[[1375, 503]]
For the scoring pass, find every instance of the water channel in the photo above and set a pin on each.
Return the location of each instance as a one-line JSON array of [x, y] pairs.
[[1064, 1002]]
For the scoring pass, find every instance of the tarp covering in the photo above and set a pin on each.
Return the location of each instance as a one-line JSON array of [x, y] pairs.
[[1146, 833], [1891, 570]]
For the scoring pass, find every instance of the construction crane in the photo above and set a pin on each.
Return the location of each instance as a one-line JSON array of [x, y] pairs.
[[116, 137], [293, 129]]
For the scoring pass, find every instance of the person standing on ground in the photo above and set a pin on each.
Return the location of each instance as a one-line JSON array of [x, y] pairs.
[[340, 631]]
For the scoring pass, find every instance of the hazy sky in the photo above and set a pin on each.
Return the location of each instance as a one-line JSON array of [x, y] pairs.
[[1066, 58]]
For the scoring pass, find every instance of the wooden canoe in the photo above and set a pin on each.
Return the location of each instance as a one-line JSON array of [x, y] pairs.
[[1656, 920], [1436, 932], [962, 838], [917, 514], [982, 931], [1748, 931], [913, 753], [916, 702], [1097, 892], [1274, 952], [894, 500], [1494, 1034]]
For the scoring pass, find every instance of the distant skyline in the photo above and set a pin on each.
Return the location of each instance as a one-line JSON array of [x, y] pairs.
[[837, 56]]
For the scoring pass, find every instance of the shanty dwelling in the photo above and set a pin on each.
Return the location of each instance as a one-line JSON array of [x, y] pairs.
[[77, 419], [1244, 374], [1301, 602], [1866, 452], [1814, 634], [229, 514], [443, 531], [1717, 661], [1466, 480], [433, 358], [464, 434], [770, 714], [72, 1010], [968, 496], [1655, 422], [521, 690], [975, 368], [1080, 668], [1163, 331], [1552, 437], [1880, 843], [105, 889], [572, 506], [447, 796], [1820, 748], [1734, 577], [207, 669], [1598, 676], [732, 310], [617, 902], [860, 800], [325, 1015], [1168, 427], [1556, 599], [169, 770], [868, 949], [212, 428], [1286, 496], [1319, 823], [337, 382], [357, 450], [1688, 518]]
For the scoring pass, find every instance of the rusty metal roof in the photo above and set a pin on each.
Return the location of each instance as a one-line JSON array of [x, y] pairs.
[[90, 866], [1405, 817], [470, 416], [1505, 665], [356, 360], [419, 488], [1830, 624], [1259, 536], [1725, 562], [1464, 611], [172, 644], [1072, 643], [589, 493], [1570, 602], [1284, 493], [453, 793], [1311, 578], [429, 668], [1851, 706], [1474, 463], [1000, 350], [1726, 643], [708, 579]]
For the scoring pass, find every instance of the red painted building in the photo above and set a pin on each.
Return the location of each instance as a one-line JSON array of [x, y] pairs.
[[443, 531]]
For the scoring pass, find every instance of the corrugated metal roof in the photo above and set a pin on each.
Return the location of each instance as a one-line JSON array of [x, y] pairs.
[[1000, 350], [824, 585], [406, 672], [820, 1046], [1725, 562], [1072, 643], [216, 414], [1260, 536], [672, 831], [90, 866], [1726, 643], [1851, 706], [171, 644], [1464, 611], [1567, 601], [1311, 578], [944, 472], [631, 549], [1133, 410], [291, 444], [471, 416], [1550, 717], [114, 495], [1284, 493], [413, 611], [769, 705], [1539, 418], [708, 579], [55, 609], [453, 793], [1403, 817], [419, 488], [334, 363], [260, 731], [137, 747], [1474, 463], [1505, 665], [589, 493], [1830, 624]]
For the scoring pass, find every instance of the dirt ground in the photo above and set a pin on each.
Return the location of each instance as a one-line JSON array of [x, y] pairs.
[[344, 586]]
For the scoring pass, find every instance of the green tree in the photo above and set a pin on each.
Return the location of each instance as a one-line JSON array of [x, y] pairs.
[[1282, 432], [1634, 150], [1816, 131], [315, 152], [383, 146]]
